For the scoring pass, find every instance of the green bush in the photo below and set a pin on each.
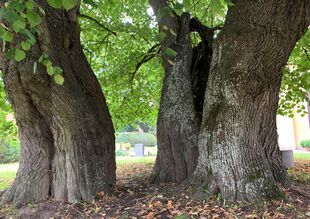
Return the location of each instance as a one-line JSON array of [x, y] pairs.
[[305, 143], [9, 151], [121, 153], [147, 139]]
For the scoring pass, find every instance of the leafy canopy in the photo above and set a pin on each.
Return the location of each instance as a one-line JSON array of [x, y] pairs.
[[121, 41]]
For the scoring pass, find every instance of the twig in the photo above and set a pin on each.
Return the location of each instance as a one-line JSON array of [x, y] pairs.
[[300, 191], [90, 54], [151, 53], [97, 22], [78, 211], [306, 52]]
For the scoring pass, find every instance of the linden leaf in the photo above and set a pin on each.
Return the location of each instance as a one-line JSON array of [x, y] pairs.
[[59, 79]]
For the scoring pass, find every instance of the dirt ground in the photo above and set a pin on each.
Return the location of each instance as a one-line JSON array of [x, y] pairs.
[[135, 198]]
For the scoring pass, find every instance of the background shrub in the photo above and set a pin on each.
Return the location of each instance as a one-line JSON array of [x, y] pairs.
[[121, 153], [305, 143], [147, 139], [9, 151]]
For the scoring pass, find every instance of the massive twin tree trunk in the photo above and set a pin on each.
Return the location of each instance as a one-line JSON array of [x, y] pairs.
[[179, 115], [66, 133], [238, 151]]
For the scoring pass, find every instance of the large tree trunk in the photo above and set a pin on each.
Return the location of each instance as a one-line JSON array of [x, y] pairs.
[[177, 125], [66, 133], [181, 101], [238, 151]]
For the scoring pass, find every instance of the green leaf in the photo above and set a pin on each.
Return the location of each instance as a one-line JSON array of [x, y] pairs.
[[30, 5], [57, 70], [47, 62], [19, 25], [187, 4], [19, 55], [9, 15], [25, 45], [23, 15], [2, 31], [33, 19], [217, 6], [30, 36], [50, 70], [42, 57], [55, 3], [69, 4], [10, 54], [7, 36], [163, 12], [178, 8], [59, 79], [161, 36], [230, 3], [170, 52], [16, 6]]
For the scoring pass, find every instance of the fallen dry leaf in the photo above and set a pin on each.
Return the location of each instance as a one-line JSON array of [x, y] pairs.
[[169, 204], [150, 215]]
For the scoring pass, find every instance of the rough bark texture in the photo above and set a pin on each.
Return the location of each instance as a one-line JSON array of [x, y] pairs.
[[177, 125], [238, 151], [181, 100], [66, 133]]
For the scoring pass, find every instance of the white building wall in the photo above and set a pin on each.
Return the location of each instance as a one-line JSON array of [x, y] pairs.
[[292, 130]]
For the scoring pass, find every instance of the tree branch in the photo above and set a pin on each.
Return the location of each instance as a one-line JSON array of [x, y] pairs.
[[203, 30], [206, 33], [157, 5], [97, 22], [151, 53], [169, 21]]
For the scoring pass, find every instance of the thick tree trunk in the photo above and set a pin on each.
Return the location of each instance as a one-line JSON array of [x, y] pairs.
[[177, 125], [66, 133], [238, 151], [33, 178], [182, 95]]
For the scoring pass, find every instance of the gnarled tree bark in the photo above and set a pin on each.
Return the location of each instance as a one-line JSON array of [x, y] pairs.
[[66, 133], [182, 95], [238, 150]]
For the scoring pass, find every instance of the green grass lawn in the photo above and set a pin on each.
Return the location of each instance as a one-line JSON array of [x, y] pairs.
[[129, 160], [7, 174], [8, 171], [301, 156]]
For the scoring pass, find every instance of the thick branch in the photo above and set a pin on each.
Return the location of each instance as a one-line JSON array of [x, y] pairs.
[[158, 4], [167, 23], [97, 22], [204, 31]]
